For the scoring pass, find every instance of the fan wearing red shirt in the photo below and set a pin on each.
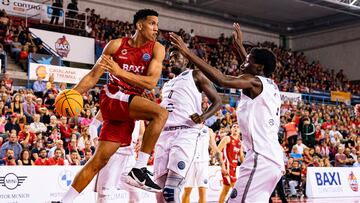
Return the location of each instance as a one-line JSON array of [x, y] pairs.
[[56, 160], [327, 124], [42, 160], [65, 130], [27, 138]]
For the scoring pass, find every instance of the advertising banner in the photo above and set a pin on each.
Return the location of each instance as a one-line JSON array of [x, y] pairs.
[[61, 73], [70, 47], [333, 182], [290, 96], [338, 96], [21, 8], [24, 184]]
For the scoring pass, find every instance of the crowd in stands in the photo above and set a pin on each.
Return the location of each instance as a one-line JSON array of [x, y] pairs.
[[295, 73], [17, 42]]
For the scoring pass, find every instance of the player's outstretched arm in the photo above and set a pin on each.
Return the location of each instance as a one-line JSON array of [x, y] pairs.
[[90, 79], [238, 42], [244, 81], [154, 71], [204, 85]]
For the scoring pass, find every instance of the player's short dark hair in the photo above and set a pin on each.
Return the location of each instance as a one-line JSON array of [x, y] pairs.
[[264, 57], [142, 14]]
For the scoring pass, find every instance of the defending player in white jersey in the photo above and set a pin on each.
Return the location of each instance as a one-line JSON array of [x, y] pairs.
[[258, 118], [175, 149], [111, 178], [198, 173]]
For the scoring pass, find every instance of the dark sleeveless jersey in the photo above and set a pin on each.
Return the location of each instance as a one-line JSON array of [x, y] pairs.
[[134, 60]]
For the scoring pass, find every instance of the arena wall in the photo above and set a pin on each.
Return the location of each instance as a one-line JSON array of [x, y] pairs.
[[336, 48], [171, 19]]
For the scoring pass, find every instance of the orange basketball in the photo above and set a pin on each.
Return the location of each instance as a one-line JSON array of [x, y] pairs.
[[69, 103]]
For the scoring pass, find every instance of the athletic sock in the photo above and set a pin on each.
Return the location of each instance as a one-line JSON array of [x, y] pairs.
[[142, 160], [70, 195]]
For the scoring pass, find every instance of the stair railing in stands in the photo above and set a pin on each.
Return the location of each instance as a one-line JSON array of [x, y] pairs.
[[47, 47]]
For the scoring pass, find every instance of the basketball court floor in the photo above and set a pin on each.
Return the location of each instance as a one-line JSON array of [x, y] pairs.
[[321, 200]]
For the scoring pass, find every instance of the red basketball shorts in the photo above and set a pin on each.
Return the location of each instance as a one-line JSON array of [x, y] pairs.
[[117, 124], [231, 177]]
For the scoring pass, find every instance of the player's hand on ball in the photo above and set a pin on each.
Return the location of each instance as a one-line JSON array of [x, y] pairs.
[[108, 64], [197, 118], [177, 42]]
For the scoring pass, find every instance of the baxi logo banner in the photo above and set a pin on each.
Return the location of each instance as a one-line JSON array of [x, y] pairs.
[[71, 48], [62, 47]]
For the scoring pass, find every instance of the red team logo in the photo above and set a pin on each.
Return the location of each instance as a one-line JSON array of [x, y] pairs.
[[353, 182], [62, 47]]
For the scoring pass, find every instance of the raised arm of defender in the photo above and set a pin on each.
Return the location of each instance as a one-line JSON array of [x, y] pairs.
[[245, 81], [238, 42]]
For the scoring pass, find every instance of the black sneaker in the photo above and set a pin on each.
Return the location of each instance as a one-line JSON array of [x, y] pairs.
[[140, 178]]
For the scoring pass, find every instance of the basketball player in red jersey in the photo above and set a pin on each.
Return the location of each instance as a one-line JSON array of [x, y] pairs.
[[134, 64], [232, 150]]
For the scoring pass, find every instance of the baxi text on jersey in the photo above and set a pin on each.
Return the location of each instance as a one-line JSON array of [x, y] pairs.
[[133, 68]]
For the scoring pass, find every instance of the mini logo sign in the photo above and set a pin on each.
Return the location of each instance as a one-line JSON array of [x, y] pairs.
[[146, 57], [62, 46], [65, 179], [12, 181], [353, 182]]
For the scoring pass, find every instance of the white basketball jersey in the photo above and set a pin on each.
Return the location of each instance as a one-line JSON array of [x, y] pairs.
[[130, 150], [202, 148], [259, 121], [182, 99]]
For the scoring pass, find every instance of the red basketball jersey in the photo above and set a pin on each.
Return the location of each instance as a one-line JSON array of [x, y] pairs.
[[132, 59], [231, 152]]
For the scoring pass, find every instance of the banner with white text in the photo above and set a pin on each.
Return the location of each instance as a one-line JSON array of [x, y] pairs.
[[21, 8], [70, 47]]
